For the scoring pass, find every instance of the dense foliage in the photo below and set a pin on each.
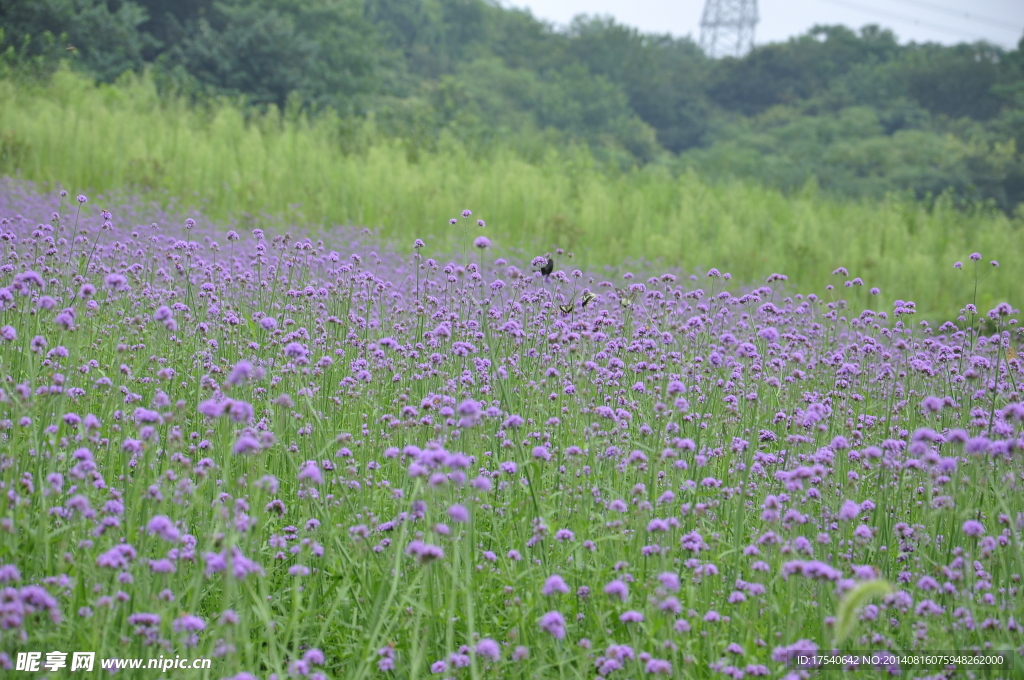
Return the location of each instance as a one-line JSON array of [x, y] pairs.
[[311, 459], [324, 170], [859, 112]]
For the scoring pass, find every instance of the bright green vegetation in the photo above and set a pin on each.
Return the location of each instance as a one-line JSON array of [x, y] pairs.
[[400, 467], [326, 171], [856, 109]]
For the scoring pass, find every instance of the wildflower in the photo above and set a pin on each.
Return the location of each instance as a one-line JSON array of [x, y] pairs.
[[973, 528], [310, 471], [617, 589], [554, 623], [849, 511], [658, 667], [188, 623], [424, 552], [554, 584], [489, 649], [458, 513], [162, 526], [669, 581], [246, 443], [241, 372]]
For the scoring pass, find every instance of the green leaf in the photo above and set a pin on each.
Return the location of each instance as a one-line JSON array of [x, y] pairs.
[[854, 601]]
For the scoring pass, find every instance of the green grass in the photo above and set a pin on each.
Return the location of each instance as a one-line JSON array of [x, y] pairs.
[[363, 592], [329, 171]]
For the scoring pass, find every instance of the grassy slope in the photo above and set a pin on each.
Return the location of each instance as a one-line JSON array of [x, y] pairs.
[[97, 139]]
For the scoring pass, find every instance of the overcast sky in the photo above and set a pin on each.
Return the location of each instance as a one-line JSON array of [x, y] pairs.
[[945, 21]]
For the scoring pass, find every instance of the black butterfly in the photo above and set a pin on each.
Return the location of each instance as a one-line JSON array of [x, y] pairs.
[[626, 298], [587, 297], [548, 267]]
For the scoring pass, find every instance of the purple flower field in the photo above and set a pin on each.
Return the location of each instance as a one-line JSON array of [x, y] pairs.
[[314, 460]]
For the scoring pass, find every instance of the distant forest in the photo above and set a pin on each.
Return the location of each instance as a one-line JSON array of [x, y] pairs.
[[855, 113]]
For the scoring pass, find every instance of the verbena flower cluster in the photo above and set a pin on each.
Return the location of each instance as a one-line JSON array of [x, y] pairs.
[[311, 460]]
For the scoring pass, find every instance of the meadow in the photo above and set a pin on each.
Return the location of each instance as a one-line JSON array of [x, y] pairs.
[[319, 171], [340, 457]]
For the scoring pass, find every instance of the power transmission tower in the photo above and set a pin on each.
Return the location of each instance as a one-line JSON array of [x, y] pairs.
[[727, 27]]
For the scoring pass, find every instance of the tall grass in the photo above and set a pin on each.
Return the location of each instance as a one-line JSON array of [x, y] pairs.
[[328, 171]]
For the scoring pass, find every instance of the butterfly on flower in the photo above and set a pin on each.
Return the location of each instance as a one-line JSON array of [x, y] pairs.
[[567, 309], [625, 297], [587, 297], [547, 268]]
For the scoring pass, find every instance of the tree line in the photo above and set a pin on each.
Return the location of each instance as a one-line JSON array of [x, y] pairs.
[[853, 113]]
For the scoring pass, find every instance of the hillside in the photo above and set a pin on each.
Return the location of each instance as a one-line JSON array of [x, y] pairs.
[[858, 111]]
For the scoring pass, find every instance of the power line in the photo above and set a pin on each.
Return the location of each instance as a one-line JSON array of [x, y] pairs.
[[963, 15], [900, 17], [727, 27]]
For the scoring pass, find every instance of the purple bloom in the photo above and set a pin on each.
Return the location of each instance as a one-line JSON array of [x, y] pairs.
[[212, 408], [246, 443], [239, 411], [215, 563], [424, 552], [117, 557], [458, 513], [849, 511], [554, 623], [9, 573], [188, 623], [310, 471], [788, 653], [144, 620], [162, 526], [241, 372], [658, 667], [617, 589], [554, 584], [489, 649], [295, 350], [669, 581], [973, 528], [242, 566], [162, 566]]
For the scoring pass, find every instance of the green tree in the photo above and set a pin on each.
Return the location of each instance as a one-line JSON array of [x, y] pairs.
[[664, 78], [323, 50], [103, 35]]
